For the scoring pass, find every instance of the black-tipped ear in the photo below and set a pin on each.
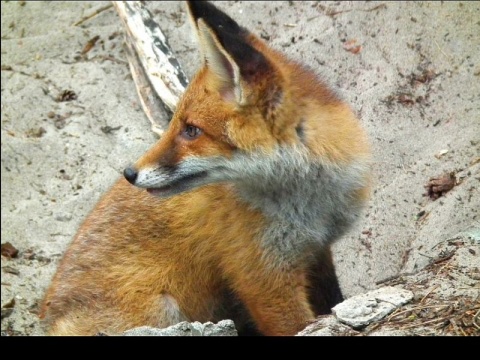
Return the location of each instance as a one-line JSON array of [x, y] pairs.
[[253, 65], [213, 17], [231, 55], [231, 38]]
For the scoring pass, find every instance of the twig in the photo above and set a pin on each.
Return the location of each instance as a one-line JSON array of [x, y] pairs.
[[150, 102], [441, 259], [456, 237], [387, 279], [415, 308], [475, 318], [313, 17], [89, 45], [393, 277], [378, 7], [431, 257], [442, 268], [386, 301], [441, 50], [397, 311], [156, 57], [82, 20], [333, 12], [436, 286], [426, 322], [455, 327], [374, 327]]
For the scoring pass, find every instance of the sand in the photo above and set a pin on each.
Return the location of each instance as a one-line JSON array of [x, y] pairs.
[[71, 123]]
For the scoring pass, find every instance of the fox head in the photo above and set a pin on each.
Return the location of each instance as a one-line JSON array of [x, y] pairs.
[[245, 102]]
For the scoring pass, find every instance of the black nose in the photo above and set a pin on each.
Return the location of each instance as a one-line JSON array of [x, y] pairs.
[[130, 174]]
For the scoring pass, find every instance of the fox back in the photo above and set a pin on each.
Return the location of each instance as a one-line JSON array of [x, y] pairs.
[[231, 214]]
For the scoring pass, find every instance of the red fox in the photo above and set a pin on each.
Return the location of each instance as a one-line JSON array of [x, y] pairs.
[[231, 214]]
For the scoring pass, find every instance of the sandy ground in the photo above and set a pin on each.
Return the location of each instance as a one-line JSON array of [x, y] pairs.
[[70, 123]]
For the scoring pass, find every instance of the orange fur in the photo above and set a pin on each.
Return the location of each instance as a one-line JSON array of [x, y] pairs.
[[204, 253]]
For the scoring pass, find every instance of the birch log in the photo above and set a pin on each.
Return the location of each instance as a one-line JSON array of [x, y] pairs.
[[152, 62], [152, 104]]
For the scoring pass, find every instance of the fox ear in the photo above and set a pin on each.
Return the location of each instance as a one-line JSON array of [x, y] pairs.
[[227, 52], [215, 18], [221, 63]]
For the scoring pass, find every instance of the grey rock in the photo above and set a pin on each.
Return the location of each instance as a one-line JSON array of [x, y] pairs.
[[391, 332], [63, 217], [326, 326], [361, 310], [222, 328]]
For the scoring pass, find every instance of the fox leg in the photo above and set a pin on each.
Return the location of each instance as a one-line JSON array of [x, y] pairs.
[[161, 311], [324, 289], [276, 298], [82, 323], [323, 292]]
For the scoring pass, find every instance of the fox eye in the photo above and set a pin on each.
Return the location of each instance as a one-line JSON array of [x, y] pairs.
[[191, 132]]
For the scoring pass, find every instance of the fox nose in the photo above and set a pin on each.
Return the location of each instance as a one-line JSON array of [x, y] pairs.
[[130, 174]]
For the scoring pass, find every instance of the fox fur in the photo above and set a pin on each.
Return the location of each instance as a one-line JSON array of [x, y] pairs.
[[232, 213]]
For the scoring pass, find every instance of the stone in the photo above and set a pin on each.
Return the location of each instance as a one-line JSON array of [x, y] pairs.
[[361, 310], [222, 328]]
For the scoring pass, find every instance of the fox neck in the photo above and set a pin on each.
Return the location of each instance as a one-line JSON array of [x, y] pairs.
[[306, 202]]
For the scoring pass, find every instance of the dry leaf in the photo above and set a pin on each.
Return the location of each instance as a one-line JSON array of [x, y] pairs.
[[8, 250], [351, 46], [90, 44], [439, 186], [66, 95]]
